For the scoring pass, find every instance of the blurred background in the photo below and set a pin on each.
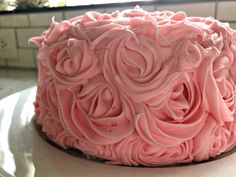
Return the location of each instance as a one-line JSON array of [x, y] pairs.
[[22, 19]]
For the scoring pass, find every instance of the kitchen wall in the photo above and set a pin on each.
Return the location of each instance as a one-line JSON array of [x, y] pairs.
[[16, 29]]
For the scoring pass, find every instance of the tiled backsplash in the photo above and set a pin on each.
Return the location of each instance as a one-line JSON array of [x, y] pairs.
[[16, 29], [226, 11]]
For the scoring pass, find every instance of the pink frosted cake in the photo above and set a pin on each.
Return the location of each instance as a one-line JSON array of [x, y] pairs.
[[138, 88]]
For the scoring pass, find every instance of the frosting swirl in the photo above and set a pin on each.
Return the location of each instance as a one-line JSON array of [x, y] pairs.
[[46, 109], [97, 111], [72, 61], [217, 139], [179, 119], [134, 151], [137, 65], [217, 85], [57, 32]]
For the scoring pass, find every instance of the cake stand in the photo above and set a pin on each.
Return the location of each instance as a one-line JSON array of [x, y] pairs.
[[23, 153]]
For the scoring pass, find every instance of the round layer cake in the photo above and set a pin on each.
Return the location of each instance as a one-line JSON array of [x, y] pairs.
[[137, 87]]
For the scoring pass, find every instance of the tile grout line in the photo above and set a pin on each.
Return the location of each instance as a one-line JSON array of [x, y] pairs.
[[216, 9], [28, 17]]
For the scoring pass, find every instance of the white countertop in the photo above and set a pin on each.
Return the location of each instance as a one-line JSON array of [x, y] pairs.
[[13, 80]]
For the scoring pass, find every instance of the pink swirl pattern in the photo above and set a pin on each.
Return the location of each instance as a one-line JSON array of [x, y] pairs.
[[137, 87]]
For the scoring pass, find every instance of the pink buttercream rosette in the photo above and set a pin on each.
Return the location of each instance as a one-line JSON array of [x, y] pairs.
[[138, 88]]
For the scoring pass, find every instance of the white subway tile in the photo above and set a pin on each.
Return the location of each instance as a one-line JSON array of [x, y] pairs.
[[8, 44], [25, 60], [233, 25], [226, 11], [192, 9], [149, 8], [74, 13], [23, 35], [14, 20], [113, 9], [2, 62], [44, 19]]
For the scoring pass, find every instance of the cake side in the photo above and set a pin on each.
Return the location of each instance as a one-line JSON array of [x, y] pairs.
[[76, 152], [137, 87]]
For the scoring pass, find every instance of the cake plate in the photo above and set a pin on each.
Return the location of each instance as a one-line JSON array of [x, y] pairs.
[[23, 153]]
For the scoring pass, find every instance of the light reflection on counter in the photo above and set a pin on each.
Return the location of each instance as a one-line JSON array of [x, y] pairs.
[[6, 108], [14, 117]]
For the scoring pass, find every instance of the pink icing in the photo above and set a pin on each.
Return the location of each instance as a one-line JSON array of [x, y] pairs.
[[135, 87]]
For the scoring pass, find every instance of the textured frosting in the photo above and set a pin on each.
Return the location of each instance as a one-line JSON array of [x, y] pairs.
[[135, 87]]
